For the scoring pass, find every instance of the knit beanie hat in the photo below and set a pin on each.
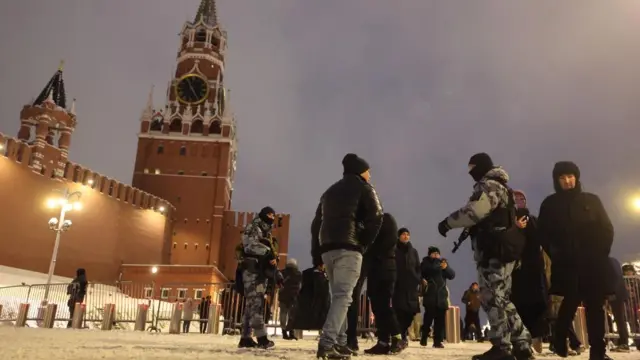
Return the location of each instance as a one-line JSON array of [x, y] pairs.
[[354, 165], [403, 230], [432, 249]]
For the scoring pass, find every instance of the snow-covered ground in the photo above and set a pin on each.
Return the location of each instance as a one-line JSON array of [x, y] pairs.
[[61, 344]]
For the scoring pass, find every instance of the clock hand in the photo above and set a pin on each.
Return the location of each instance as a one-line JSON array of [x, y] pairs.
[[193, 91]]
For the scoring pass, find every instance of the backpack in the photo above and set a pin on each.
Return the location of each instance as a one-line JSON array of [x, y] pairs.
[[505, 245], [73, 288]]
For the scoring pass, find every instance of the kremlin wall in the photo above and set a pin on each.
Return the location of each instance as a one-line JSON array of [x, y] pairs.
[[175, 224]]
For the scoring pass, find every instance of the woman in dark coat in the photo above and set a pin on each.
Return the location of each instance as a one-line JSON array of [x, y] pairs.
[[314, 299], [405, 297], [529, 287], [579, 236]]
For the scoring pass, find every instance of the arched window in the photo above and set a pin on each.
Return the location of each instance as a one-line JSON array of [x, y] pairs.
[[201, 36], [183, 150], [176, 125], [197, 127], [160, 149], [215, 127], [156, 125]]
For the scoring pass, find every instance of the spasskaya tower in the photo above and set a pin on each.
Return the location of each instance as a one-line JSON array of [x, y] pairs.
[[187, 146]]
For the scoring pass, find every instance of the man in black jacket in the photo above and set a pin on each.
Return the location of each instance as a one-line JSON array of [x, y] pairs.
[[577, 234], [436, 271], [405, 295], [76, 291], [288, 296], [380, 262], [347, 222]]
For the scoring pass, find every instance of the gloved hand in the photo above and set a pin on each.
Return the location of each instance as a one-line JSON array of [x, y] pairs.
[[443, 227]]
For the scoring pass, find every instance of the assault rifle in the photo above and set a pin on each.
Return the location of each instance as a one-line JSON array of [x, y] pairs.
[[466, 232]]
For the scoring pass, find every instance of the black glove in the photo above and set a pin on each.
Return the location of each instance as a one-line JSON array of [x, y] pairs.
[[443, 227]]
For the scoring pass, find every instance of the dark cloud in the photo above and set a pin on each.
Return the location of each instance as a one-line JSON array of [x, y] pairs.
[[415, 87]]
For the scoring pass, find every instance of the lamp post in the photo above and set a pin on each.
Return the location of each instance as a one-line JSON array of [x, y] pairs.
[[60, 225]]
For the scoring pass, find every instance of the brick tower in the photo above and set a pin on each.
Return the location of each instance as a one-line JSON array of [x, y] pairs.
[[187, 147], [46, 126]]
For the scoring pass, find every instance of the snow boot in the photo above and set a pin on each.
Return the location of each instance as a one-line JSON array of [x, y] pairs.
[[438, 345], [346, 350], [285, 335], [397, 345], [495, 353], [331, 354], [247, 343], [525, 354], [265, 343], [623, 348], [378, 349], [292, 336]]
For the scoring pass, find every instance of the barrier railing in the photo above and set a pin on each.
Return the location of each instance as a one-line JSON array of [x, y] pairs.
[[630, 312]]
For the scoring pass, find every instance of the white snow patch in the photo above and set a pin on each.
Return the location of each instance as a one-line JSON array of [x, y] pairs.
[[61, 344]]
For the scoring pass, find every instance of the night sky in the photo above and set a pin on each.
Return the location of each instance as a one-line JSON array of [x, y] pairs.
[[413, 86]]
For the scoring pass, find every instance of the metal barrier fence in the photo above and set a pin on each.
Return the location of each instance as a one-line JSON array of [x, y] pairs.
[[153, 307], [630, 311]]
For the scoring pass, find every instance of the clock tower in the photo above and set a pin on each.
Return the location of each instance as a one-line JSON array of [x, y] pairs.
[[187, 146]]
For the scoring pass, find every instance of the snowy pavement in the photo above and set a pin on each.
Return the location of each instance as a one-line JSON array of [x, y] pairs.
[[61, 344]]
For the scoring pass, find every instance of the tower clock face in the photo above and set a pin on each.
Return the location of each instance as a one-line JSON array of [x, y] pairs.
[[192, 89]]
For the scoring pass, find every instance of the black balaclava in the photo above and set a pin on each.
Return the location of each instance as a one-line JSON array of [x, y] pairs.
[[264, 212], [566, 168], [354, 165], [483, 164]]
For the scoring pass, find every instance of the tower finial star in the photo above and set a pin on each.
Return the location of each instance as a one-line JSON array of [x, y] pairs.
[[61, 66]]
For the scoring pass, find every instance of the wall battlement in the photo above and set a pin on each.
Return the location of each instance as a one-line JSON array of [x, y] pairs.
[[22, 153]]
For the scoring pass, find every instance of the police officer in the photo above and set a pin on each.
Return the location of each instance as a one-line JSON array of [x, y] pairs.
[[259, 261], [497, 244]]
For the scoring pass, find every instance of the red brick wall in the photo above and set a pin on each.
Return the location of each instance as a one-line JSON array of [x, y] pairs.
[[117, 224]]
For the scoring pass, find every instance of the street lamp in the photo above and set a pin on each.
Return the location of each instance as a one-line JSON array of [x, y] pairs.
[[635, 202], [60, 225]]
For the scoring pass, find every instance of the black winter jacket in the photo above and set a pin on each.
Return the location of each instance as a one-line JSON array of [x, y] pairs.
[[380, 258], [576, 232], [288, 295], [348, 217], [405, 296], [437, 294]]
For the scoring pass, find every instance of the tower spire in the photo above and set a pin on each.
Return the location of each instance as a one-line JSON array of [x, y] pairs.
[[207, 13], [54, 90]]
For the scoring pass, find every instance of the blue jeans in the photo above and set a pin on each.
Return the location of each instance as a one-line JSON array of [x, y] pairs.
[[343, 271]]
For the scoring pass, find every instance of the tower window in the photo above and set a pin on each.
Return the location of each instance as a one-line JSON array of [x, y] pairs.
[[161, 149], [183, 150], [146, 171], [204, 173], [175, 244], [206, 246], [180, 172], [185, 246], [201, 36], [196, 245], [185, 221], [157, 172]]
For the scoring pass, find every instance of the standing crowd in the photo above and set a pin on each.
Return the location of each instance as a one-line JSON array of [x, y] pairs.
[[520, 261]]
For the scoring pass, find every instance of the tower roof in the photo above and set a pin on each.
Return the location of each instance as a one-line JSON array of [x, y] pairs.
[[54, 90], [207, 13]]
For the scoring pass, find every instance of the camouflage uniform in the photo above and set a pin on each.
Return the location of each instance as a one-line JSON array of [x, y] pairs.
[[255, 282], [494, 277]]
